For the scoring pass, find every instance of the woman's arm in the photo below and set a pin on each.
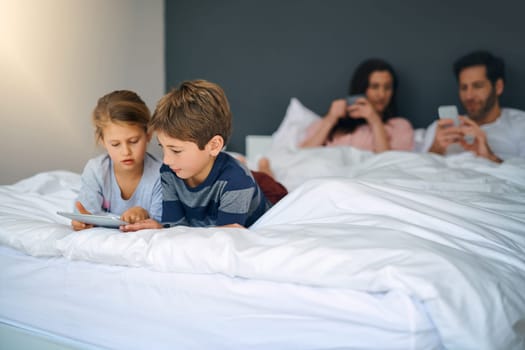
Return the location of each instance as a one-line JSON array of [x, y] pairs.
[[400, 134], [379, 134], [337, 110], [363, 109]]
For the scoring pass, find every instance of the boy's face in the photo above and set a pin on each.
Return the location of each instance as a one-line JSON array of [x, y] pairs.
[[185, 159], [126, 145]]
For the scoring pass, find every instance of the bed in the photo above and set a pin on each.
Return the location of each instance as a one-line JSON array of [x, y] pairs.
[[399, 250]]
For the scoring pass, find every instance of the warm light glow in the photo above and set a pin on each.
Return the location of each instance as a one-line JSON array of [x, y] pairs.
[[56, 58]]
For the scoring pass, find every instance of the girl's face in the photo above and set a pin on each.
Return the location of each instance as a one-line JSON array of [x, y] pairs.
[[380, 90], [126, 145]]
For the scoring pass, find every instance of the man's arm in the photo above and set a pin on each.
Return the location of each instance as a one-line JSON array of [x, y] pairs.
[[479, 145], [446, 134]]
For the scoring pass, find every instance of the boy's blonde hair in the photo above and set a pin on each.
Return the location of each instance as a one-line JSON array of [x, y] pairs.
[[122, 106], [196, 111]]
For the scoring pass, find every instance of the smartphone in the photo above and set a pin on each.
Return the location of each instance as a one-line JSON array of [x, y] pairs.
[[350, 100], [449, 112]]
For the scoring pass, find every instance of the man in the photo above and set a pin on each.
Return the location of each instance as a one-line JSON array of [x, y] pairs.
[[495, 133]]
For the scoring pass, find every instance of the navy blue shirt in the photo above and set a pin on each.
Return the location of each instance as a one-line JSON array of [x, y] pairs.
[[228, 195]]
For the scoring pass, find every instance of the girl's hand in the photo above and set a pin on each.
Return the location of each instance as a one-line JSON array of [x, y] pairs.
[[141, 225], [135, 214], [77, 225]]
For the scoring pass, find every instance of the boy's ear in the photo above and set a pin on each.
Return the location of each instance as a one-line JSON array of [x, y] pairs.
[[215, 145]]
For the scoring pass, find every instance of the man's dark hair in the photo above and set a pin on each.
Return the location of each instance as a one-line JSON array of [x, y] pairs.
[[494, 65]]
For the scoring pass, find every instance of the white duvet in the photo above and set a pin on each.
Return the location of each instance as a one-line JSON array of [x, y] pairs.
[[447, 231]]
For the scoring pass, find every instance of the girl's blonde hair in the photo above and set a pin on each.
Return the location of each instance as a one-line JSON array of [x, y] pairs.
[[120, 106]]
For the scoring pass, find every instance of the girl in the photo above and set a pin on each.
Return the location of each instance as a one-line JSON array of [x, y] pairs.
[[125, 181], [370, 123]]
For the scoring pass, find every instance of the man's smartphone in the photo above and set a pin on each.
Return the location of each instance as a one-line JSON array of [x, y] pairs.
[[449, 112], [350, 100]]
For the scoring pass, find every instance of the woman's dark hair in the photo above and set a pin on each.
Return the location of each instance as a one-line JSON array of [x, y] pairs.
[[358, 85]]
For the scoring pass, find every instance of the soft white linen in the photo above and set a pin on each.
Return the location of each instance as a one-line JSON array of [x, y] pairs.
[[449, 232], [28, 211], [116, 307], [293, 127]]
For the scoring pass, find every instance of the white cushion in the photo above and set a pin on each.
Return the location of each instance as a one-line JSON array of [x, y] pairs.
[[292, 129]]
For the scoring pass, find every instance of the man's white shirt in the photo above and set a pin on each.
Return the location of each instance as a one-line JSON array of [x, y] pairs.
[[505, 136]]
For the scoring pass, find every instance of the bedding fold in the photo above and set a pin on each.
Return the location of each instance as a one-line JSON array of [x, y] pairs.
[[449, 232]]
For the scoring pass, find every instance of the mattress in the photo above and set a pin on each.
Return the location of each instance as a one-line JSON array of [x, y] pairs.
[[389, 251], [92, 305]]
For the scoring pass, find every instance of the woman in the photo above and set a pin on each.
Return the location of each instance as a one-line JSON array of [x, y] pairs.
[[370, 123]]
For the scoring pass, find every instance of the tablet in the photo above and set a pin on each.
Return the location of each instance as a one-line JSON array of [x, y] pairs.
[[97, 220]]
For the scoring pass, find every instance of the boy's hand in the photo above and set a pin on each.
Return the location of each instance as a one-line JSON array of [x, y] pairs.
[[141, 225], [233, 226], [77, 225], [135, 214]]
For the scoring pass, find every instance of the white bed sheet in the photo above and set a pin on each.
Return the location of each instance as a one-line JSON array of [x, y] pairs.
[[447, 232], [118, 307]]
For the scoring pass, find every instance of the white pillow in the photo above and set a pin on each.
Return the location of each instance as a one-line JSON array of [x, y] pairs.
[[293, 127]]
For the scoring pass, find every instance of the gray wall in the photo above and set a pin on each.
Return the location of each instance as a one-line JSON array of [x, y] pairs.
[[265, 52], [57, 57]]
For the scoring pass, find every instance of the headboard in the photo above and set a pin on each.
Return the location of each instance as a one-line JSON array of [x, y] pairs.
[[265, 52]]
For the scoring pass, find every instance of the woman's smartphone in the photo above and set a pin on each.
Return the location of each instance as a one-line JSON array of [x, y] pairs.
[[350, 100]]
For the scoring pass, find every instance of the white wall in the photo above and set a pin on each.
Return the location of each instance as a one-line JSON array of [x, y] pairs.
[[57, 57]]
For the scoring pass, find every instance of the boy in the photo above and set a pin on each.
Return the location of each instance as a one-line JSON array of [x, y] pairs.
[[201, 185]]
